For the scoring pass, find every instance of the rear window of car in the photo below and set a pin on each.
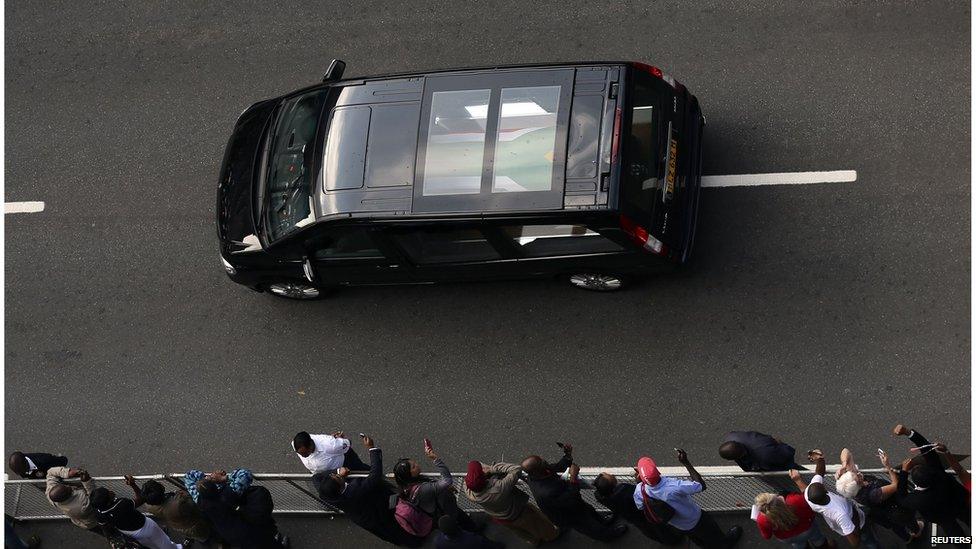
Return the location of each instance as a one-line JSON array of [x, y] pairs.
[[641, 157], [554, 240]]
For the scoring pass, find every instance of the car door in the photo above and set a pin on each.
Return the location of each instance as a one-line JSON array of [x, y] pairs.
[[355, 255], [563, 247], [452, 253]]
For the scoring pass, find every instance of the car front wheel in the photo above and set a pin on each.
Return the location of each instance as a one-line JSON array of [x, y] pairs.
[[597, 282], [290, 289]]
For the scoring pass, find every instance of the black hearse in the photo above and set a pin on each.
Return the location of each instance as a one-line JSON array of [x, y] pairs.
[[589, 171]]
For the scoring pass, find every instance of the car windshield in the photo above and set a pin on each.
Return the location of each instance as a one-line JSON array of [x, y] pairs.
[[289, 181]]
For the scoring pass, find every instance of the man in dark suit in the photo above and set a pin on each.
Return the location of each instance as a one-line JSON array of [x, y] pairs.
[[938, 497], [366, 501], [34, 465], [619, 498], [560, 499], [755, 451]]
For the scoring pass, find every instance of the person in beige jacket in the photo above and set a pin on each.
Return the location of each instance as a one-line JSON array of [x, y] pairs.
[[495, 489], [177, 510], [71, 500]]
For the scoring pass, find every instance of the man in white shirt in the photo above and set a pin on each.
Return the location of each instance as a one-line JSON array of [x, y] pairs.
[[326, 453], [841, 514]]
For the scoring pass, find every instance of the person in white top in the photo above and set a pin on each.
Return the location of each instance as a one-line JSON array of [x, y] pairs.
[[326, 453], [841, 514]]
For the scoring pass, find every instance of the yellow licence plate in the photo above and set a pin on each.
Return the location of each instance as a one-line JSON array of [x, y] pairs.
[[672, 168]]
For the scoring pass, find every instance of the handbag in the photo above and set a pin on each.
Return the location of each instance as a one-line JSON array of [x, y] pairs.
[[414, 520]]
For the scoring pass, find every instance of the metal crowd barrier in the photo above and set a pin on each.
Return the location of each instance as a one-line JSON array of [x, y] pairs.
[[728, 489]]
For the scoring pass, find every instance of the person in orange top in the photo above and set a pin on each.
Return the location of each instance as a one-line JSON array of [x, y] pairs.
[[789, 519]]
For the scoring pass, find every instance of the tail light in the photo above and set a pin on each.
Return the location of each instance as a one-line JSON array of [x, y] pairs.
[[642, 237], [658, 73]]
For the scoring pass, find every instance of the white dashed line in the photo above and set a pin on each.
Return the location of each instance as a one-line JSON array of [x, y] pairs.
[[740, 180], [22, 207], [788, 178]]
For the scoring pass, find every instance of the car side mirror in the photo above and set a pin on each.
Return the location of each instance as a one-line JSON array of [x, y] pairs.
[[335, 70]]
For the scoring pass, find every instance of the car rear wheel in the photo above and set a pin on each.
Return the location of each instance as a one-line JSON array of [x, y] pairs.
[[290, 289], [597, 282]]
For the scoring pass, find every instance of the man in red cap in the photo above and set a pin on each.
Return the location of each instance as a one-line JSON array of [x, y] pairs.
[[494, 488], [688, 517], [652, 521]]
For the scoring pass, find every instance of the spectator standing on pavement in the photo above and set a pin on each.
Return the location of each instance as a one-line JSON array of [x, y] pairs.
[[237, 481], [876, 496], [256, 506], [619, 498], [961, 473], [755, 451], [840, 513], [689, 517], [121, 514], [366, 501], [177, 510], [495, 489], [73, 501], [433, 497], [221, 506], [560, 499], [788, 518], [937, 496], [34, 465], [321, 453], [453, 537]]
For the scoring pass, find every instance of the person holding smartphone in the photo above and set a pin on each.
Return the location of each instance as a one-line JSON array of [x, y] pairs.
[[366, 501], [877, 496], [840, 513], [938, 497], [433, 496], [560, 498], [689, 518]]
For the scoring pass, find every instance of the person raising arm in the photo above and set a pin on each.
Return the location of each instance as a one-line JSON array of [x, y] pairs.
[[694, 474]]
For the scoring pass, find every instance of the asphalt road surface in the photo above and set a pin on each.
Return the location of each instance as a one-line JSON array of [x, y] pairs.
[[823, 314]]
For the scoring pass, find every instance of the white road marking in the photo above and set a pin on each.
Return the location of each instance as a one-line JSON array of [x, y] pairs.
[[788, 178], [739, 180], [22, 207]]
